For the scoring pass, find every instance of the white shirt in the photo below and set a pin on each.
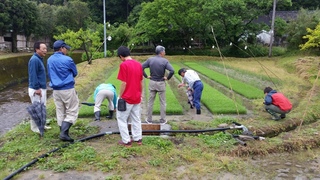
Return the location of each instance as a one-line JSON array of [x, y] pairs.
[[190, 76]]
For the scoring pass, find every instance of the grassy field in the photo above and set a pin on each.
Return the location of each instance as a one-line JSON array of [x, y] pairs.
[[183, 156]]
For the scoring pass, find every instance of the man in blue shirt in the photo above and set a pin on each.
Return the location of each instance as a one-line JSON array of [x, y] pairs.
[[37, 78], [62, 71]]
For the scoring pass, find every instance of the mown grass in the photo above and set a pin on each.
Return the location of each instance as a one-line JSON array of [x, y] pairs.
[[183, 156]]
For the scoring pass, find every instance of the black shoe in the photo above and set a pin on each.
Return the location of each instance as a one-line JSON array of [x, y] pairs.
[[110, 115], [64, 131], [97, 116], [198, 111], [282, 116]]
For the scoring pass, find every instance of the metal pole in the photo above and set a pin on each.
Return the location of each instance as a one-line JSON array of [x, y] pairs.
[[272, 27], [104, 28]]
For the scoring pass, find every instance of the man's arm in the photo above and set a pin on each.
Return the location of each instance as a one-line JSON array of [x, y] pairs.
[[170, 69], [122, 88]]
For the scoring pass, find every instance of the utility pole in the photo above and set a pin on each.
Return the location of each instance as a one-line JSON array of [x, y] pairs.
[[104, 28], [272, 27]]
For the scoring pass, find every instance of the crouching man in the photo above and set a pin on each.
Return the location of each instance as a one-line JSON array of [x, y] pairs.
[[276, 103], [102, 92]]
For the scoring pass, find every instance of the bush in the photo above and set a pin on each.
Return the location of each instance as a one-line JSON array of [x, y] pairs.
[[96, 55]]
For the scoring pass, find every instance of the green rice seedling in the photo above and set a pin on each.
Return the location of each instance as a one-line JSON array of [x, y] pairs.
[[173, 105], [242, 88], [217, 102]]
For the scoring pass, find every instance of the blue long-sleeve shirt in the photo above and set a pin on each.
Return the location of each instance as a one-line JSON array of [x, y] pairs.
[[61, 71], [37, 73]]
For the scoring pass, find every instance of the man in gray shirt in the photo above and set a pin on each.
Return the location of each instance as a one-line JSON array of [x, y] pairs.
[[158, 66]]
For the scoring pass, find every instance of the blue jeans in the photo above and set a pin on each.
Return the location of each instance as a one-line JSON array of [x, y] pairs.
[[197, 92]]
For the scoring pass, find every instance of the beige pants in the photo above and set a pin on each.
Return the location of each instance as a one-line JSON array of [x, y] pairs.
[[34, 97], [101, 96], [154, 88], [67, 105]]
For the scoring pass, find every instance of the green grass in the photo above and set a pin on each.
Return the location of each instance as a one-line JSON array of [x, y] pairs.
[[87, 111], [173, 105], [244, 89], [215, 101]]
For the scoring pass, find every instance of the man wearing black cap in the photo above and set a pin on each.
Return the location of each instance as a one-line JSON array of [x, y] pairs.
[[61, 71], [158, 66], [192, 79]]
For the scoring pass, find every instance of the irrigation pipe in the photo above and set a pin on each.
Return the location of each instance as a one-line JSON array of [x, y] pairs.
[[236, 126]]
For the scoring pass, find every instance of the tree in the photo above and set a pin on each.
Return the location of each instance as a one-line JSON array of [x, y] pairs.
[[22, 19], [73, 15], [170, 22], [88, 40], [46, 22], [297, 28], [313, 37], [234, 18]]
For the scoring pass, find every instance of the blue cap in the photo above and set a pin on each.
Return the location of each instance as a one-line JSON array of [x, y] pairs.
[[59, 43]]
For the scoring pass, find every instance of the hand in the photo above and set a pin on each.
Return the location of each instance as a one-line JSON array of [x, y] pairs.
[[180, 85], [38, 92]]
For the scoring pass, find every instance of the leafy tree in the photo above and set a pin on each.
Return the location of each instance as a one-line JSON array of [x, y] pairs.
[[170, 22], [121, 35], [232, 19], [88, 40], [73, 15], [22, 19], [46, 22], [313, 37], [297, 28]]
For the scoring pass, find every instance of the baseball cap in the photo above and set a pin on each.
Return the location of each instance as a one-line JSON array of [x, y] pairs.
[[59, 43]]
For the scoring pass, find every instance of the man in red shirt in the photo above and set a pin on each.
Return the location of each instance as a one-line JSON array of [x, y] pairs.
[[276, 102], [131, 75]]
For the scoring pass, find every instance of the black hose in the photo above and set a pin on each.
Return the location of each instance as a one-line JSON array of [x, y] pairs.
[[117, 132]]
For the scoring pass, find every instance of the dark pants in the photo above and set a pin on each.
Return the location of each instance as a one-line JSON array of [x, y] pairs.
[[197, 92]]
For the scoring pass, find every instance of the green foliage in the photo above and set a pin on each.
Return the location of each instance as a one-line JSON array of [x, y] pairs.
[[18, 17], [237, 86], [173, 105], [218, 140], [96, 55], [170, 22], [298, 28], [73, 15], [215, 101], [87, 40], [230, 19], [313, 37]]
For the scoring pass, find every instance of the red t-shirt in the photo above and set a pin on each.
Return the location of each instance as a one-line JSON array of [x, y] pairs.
[[131, 73]]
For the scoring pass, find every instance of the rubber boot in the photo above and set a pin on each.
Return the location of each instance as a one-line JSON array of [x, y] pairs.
[[273, 114], [97, 116], [64, 131], [110, 115]]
